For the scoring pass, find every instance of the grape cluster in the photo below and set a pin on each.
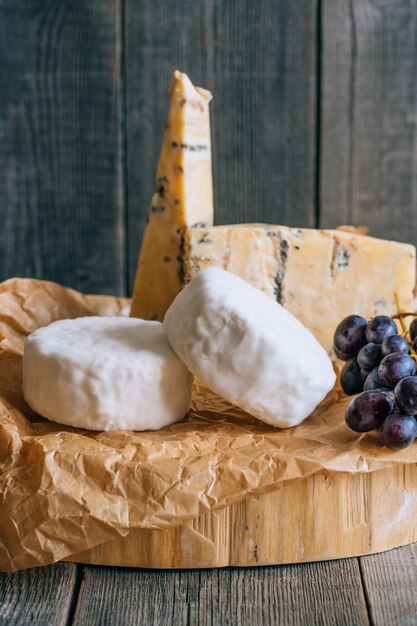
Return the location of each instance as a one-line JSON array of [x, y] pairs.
[[380, 367]]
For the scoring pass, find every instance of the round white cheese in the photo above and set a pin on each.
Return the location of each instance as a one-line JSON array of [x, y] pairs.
[[105, 373], [248, 349]]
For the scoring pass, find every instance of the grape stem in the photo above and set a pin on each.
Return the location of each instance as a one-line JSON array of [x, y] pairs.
[[401, 314], [404, 314]]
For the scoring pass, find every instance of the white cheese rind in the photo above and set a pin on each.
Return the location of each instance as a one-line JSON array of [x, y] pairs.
[[105, 373], [248, 349]]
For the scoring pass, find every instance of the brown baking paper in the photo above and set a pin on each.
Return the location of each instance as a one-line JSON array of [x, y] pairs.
[[65, 490]]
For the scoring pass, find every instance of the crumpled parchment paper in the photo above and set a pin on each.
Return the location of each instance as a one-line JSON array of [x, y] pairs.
[[64, 490]]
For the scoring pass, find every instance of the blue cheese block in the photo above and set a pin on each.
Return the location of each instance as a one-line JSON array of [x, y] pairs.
[[320, 276]]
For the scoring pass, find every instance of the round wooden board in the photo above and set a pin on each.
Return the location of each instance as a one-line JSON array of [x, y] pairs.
[[325, 516]]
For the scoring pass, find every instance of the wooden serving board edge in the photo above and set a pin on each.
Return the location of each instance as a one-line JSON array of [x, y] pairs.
[[325, 516]]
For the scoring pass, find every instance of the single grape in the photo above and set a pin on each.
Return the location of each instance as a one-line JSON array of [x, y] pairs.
[[373, 381], [395, 343], [398, 431], [369, 409], [351, 377], [413, 329], [349, 336], [415, 344], [379, 328], [369, 356], [406, 394], [394, 367], [341, 355]]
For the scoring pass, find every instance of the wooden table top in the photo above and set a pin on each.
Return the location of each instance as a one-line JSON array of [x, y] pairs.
[[378, 589]]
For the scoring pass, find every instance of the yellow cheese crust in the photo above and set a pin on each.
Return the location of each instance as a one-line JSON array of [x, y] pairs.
[[319, 275], [183, 197]]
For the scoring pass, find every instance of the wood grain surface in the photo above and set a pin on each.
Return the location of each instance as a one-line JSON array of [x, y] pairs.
[[320, 593], [369, 513], [262, 73], [368, 150], [40, 597], [61, 190], [390, 580], [378, 590]]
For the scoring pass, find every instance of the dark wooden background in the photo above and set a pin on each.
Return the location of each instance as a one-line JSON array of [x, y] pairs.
[[314, 121]]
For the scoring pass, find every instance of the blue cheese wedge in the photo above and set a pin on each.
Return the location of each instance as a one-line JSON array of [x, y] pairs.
[[183, 198], [318, 275]]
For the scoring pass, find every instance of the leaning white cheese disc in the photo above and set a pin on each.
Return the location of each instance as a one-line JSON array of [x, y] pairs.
[[105, 373], [248, 349]]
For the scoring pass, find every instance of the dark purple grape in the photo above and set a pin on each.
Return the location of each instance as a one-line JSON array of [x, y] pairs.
[[369, 357], [369, 409], [351, 377], [415, 344], [413, 329], [398, 431], [406, 394], [373, 381], [395, 343], [349, 336], [394, 367], [379, 328], [341, 355]]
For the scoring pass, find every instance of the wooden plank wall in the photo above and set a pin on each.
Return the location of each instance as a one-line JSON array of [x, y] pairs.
[[314, 121], [369, 116], [61, 184]]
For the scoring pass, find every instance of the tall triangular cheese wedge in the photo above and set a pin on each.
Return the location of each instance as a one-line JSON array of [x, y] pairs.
[[184, 197]]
